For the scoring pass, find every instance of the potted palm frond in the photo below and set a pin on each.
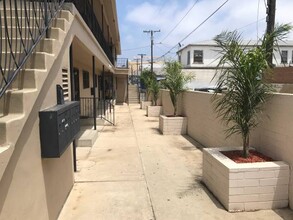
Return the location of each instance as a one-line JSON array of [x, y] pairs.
[[175, 81], [146, 78], [154, 110], [242, 70]]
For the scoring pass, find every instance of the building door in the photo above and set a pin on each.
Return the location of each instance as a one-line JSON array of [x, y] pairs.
[[76, 84]]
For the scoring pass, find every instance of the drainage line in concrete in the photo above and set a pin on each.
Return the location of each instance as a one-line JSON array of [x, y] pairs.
[[136, 140]]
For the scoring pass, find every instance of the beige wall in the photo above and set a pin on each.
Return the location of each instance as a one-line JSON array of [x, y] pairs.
[[121, 89], [32, 187], [83, 67], [272, 137]]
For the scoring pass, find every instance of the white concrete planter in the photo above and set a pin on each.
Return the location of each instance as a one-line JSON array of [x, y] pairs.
[[154, 111], [144, 104], [245, 186], [172, 125]]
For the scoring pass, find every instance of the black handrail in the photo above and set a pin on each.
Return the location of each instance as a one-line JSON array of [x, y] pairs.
[[122, 63], [105, 109], [23, 24], [85, 8]]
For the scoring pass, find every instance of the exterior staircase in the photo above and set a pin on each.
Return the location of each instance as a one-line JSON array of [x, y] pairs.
[[18, 101], [133, 94]]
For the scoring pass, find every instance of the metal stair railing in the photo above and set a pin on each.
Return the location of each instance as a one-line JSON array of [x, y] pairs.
[[23, 24], [105, 109]]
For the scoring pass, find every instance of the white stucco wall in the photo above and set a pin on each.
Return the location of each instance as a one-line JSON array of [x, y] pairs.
[[273, 136], [211, 53]]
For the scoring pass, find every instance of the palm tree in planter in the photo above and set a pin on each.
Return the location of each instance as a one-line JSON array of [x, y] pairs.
[[247, 89], [147, 77], [243, 70], [154, 88], [175, 81]]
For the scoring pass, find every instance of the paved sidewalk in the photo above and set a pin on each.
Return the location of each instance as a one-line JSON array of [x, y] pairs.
[[133, 172]]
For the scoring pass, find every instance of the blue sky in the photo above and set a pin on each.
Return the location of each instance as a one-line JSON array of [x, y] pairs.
[[135, 16]]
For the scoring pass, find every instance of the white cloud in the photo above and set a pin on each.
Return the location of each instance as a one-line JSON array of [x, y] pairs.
[[234, 15]]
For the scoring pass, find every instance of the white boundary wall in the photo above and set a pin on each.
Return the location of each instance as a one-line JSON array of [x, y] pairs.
[[273, 136]]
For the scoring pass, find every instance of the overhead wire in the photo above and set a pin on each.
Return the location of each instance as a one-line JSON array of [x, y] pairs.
[[179, 21], [250, 24], [136, 48], [196, 28]]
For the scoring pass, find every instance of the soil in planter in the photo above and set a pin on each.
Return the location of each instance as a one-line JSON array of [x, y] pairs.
[[254, 156]]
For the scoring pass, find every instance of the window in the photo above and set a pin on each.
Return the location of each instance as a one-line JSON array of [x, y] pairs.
[[188, 57], [284, 56], [292, 57], [198, 56], [86, 79]]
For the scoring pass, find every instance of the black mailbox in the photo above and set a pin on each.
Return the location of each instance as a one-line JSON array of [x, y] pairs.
[[58, 127]]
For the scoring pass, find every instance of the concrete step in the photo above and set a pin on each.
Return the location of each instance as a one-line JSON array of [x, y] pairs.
[[56, 33], [6, 151], [37, 60], [10, 127], [21, 20], [20, 5], [2, 104], [46, 45], [87, 138], [17, 100], [65, 14], [28, 79], [14, 32]]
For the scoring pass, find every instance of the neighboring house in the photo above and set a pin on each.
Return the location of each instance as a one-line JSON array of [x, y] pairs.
[[47, 43], [202, 59], [135, 66]]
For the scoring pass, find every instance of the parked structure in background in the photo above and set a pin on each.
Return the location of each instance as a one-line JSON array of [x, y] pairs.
[[202, 59], [69, 43]]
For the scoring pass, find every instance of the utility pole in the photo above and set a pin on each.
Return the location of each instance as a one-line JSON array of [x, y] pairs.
[[271, 10], [152, 45], [137, 65], [141, 58]]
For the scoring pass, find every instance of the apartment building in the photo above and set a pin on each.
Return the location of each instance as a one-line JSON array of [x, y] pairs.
[[202, 59], [73, 44]]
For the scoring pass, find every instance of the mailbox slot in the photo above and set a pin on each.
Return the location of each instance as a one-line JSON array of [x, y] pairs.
[[58, 127]]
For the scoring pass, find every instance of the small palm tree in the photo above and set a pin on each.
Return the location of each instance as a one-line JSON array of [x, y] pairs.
[[247, 90], [155, 89], [147, 78], [175, 81]]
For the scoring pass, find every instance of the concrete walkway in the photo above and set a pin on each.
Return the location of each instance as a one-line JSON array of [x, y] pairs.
[[133, 172]]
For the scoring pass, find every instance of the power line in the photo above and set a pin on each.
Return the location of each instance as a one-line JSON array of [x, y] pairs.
[[204, 20], [250, 24], [179, 21], [196, 28], [137, 48]]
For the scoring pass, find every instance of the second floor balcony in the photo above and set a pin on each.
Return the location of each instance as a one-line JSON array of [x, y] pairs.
[[87, 12]]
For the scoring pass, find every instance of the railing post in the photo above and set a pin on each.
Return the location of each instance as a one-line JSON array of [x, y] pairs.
[[46, 18], [94, 94]]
